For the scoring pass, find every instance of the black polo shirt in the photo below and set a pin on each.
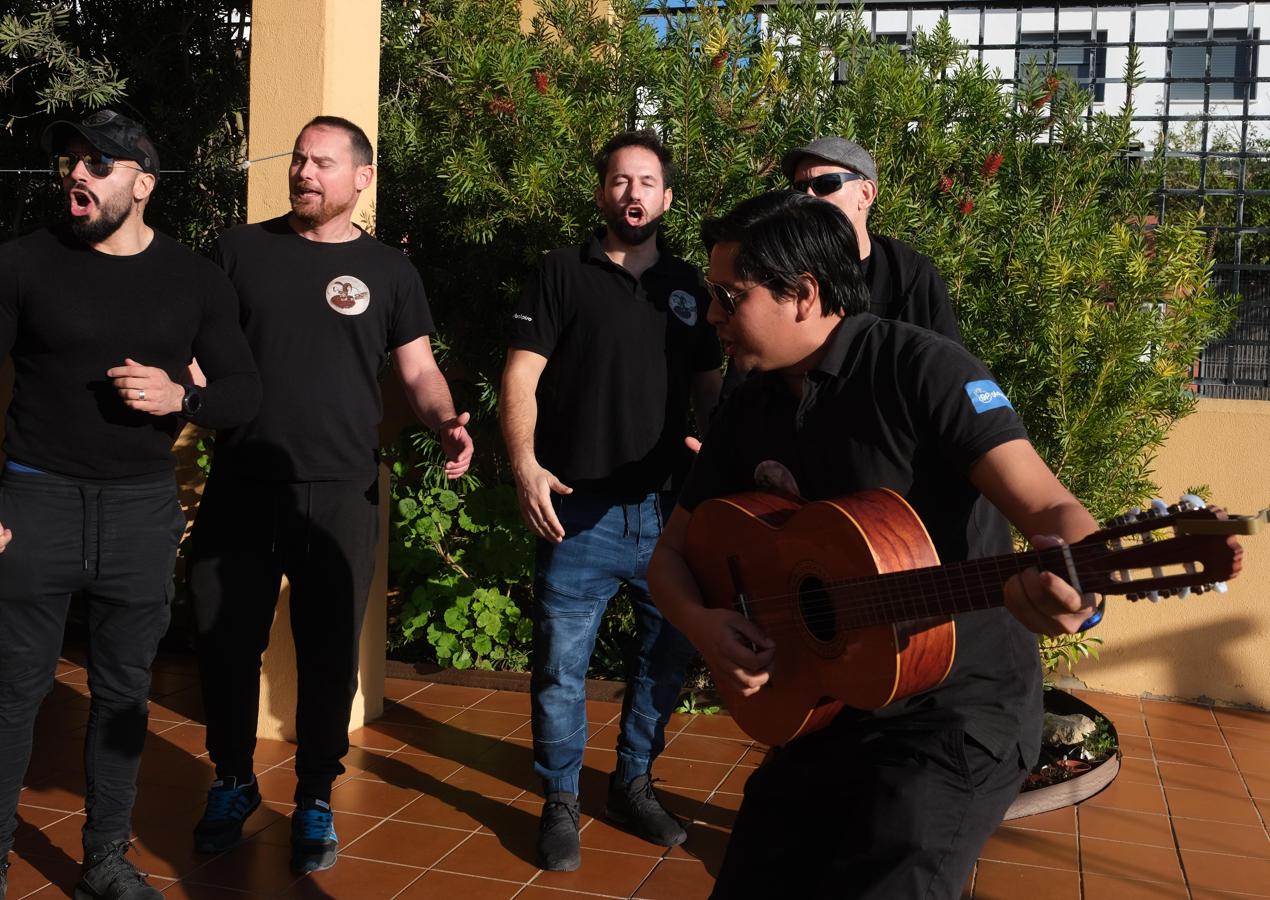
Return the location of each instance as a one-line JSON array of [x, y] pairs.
[[897, 406], [621, 353]]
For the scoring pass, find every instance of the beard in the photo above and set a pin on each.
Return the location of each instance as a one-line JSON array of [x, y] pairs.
[[317, 210], [109, 217], [631, 235]]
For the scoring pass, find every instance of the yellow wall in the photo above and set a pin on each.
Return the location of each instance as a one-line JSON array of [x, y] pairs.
[[1215, 646], [309, 58]]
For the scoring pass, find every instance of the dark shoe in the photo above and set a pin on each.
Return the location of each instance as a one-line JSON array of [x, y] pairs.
[[635, 806], [314, 846], [108, 876], [558, 849], [228, 806], [4, 878]]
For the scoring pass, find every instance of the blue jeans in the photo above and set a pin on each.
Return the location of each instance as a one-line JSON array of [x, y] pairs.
[[605, 544]]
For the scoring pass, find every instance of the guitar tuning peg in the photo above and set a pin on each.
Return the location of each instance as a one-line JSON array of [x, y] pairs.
[[1153, 596], [1166, 593], [1191, 501], [1183, 593], [1159, 507], [1133, 597], [1220, 587], [1201, 589]]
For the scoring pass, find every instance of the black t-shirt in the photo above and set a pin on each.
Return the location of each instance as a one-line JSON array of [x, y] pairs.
[[895, 406], [621, 352], [69, 312], [321, 319]]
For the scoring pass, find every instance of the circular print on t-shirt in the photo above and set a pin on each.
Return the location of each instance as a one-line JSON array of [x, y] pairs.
[[348, 295]]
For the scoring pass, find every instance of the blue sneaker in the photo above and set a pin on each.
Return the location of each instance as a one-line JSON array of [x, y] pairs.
[[314, 845], [228, 806]]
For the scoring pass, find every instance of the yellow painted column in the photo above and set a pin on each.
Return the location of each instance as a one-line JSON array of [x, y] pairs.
[[311, 58]]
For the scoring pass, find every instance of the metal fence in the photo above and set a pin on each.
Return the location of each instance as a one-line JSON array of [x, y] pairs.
[[1211, 112], [1202, 98]]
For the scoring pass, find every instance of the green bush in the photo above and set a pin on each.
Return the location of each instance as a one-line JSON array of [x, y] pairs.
[[1029, 207]]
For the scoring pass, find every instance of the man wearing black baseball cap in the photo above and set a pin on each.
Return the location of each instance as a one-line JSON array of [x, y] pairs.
[[102, 316]]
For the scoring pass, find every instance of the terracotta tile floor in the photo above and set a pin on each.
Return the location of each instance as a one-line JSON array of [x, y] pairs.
[[439, 801]]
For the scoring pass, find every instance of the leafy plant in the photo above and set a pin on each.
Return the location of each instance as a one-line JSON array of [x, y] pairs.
[[694, 705], [1102, 743], [1035, 214], [461, 563], [1065, 650]]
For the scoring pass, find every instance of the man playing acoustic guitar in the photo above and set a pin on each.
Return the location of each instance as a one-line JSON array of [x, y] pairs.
[[896, 802]]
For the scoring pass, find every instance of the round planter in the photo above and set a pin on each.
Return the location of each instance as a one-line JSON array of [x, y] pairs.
[[1080, 786]]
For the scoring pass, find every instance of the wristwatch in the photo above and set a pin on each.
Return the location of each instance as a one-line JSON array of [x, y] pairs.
[[191, 402]]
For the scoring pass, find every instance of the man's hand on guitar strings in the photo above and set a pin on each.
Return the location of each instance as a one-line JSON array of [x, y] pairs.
[[736, 649], [1044, 602]]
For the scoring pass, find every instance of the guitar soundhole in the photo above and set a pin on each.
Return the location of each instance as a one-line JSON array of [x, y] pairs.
[[816, 608]]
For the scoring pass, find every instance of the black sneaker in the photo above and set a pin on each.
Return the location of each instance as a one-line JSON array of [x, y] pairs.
[[558, 848], [635, 806], [108, 876], [314, 846], [228, 806]]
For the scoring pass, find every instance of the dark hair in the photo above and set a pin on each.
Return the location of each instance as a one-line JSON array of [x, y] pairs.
[[363, 152], [784, 235], [644, 138]]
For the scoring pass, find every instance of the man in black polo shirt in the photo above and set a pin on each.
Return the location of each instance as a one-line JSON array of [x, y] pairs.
[[897, 802], [607, 344]]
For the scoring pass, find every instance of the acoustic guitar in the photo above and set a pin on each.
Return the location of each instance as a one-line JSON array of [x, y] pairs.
[[853, 594]]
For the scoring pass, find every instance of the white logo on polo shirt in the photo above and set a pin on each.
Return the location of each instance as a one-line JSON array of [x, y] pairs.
[[684, 305], [348, 295]]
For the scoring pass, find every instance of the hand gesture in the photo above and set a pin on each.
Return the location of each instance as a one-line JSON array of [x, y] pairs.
[[1045, 603], [739, 652], [534, 487], [146, 388], [457, 445]]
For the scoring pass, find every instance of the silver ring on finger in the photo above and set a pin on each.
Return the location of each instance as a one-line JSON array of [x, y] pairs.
[[141, 393]]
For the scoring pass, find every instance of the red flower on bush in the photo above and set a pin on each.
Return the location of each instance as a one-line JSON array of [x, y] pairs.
[[992, 164], [717, 61], [945, 184], [1052, 84], [541, 82], [967, 206], [502, 106]]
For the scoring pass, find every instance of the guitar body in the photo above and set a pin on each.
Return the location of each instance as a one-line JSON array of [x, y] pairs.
[[769, 556]]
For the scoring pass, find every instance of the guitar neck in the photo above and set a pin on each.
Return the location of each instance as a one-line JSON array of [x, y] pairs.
[[943, 590]]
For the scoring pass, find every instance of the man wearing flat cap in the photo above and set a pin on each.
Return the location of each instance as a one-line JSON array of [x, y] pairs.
[[102, 316], [903, 284]]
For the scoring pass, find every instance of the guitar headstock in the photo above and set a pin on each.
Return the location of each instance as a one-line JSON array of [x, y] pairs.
[[1162, 550]]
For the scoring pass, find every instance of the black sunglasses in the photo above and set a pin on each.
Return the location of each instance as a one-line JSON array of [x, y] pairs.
[[98, 164], [728, 299], [824, 185]]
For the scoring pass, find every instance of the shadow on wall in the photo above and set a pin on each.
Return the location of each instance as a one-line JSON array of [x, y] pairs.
[[1179, 657]]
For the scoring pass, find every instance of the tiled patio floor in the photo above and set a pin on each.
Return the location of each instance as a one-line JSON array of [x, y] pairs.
[[439, 802]]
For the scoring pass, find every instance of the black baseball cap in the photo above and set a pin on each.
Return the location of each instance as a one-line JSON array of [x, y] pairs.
[[108, 132], [837, 150]]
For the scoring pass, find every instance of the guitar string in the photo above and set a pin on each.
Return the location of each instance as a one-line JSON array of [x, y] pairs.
[[1086, 559], [873, 597]]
